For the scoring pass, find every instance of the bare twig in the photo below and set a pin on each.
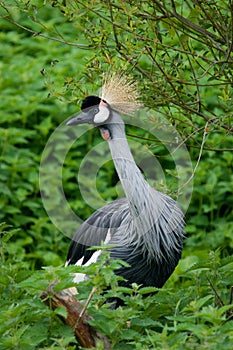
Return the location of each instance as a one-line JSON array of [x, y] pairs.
[[214, 38], [39, 34], [184, 141], [94, 290], [219, 300], [198, 159]]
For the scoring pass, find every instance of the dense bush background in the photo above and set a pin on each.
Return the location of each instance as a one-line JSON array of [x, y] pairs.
[[52, 55]]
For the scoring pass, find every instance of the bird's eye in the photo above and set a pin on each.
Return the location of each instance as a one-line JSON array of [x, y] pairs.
[[96, 110]]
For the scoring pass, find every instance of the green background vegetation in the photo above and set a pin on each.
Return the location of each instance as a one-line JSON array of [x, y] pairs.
[[52, 55]]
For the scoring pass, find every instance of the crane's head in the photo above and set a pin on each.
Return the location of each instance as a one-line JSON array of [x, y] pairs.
[[97, 112], [119, 94], [94, 111]]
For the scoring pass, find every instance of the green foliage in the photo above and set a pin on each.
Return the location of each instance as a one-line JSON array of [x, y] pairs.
[[52, 55], [25, 322], [196, 315]]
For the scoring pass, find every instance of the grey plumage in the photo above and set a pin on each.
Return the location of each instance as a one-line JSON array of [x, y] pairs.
[[146, 226]]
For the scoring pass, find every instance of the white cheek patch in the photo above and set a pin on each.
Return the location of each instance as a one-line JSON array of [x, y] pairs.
[[102, 115]]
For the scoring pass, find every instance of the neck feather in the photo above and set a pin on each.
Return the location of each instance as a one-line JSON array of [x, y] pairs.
[[131, 178], [156, 220]]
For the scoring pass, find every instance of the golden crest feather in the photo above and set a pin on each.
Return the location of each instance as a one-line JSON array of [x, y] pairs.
[[121, 93]]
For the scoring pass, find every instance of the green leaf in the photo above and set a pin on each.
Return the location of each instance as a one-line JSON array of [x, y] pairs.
[[61, 311]]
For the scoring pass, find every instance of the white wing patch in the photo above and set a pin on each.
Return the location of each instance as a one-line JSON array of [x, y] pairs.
[[79, 277]]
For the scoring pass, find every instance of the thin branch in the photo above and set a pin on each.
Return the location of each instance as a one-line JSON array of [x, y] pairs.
[[198, 102], [118, 45], [198, 159], [207, 118], [168, 79], [182, 143], [213, 38], [209, 17], [220, 302], [93, 291], [230, 30], [35, 34]]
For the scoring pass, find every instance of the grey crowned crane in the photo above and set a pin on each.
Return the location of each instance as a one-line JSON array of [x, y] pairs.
[[146, 227]]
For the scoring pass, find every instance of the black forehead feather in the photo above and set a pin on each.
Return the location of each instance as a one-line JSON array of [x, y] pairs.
[[90, 101]]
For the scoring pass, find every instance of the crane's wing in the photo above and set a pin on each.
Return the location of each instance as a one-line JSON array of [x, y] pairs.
[[98, 228]]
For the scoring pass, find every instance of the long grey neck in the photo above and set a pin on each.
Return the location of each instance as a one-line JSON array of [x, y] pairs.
[[137, 190], [156, 220]]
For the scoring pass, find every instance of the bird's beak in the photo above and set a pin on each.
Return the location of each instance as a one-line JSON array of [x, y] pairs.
[[82, 118]]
